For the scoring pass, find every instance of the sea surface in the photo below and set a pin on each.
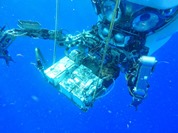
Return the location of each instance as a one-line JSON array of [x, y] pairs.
[[28, 104]]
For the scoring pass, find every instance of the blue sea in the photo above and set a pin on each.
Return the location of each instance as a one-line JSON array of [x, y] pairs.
[[28, 104]]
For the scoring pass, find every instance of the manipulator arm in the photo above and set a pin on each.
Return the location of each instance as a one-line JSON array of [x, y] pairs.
[[26, 28], [5, 41], [34, 30], [138, 79]]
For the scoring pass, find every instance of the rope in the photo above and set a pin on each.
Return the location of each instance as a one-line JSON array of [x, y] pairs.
[[109, 35], [107, 40], [55, 34]]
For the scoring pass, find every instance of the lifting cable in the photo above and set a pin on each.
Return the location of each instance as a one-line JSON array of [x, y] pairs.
[[55, 33], [109, 35], [107, 40]]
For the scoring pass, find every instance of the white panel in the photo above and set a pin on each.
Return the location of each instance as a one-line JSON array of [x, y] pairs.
[[158, 39]]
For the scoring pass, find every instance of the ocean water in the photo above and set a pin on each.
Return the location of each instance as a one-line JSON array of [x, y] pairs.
[[28, 104]]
